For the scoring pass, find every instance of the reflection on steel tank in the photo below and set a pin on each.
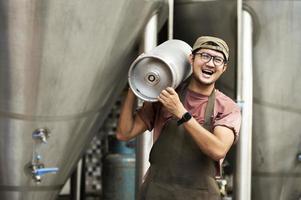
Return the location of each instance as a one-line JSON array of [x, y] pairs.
[[62, 65]]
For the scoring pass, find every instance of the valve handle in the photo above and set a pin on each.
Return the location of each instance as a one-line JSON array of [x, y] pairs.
[[43, 171]]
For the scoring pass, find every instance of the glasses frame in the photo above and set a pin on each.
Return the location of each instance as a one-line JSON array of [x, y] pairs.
[[211, 57]]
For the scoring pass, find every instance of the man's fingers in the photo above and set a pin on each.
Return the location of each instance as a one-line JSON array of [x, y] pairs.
[[167, 95], [162, 96], [164, 93], [170, 90], [161, 100]]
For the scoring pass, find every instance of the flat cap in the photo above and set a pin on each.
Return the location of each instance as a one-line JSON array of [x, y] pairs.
[[214, 43]]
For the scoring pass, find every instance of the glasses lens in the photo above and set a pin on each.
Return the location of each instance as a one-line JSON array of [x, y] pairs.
[[205, 57], [218, 61]]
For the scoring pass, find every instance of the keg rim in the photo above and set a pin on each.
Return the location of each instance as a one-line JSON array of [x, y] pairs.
[[140, 58]]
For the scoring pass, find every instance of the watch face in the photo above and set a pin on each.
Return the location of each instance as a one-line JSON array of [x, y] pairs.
[[187, 116]]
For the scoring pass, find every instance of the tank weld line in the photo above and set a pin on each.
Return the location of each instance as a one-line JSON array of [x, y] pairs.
[[276, 174], [277, 106], [48, 118], [29, 188]]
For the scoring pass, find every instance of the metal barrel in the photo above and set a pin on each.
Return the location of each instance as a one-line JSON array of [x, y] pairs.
[[167, 65]]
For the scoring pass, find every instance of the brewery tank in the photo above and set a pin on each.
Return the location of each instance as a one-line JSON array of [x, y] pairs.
[[62, 64], [276, 164]]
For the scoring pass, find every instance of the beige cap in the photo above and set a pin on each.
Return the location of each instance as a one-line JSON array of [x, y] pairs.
[[214, 43]]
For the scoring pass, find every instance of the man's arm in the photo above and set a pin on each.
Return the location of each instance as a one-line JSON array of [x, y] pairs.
[[216, 144], [129, 125]]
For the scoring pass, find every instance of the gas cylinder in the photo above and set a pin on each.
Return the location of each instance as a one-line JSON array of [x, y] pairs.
[[119, 177], [118, 174]]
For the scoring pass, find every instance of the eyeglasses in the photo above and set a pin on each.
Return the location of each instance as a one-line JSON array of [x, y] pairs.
[[206, 57]]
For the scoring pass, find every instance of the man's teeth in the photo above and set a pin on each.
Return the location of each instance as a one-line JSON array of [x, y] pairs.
[[209, 72]]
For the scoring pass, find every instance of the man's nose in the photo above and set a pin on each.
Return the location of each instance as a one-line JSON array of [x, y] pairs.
[[211, 63]]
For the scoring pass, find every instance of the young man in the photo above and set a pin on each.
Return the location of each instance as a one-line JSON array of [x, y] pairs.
[[194, 127]]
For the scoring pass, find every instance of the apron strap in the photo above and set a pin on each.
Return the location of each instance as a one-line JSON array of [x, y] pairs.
[[182, 91], [209, 110]]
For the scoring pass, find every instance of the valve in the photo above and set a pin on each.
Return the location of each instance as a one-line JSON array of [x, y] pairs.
[[38, 173], [43, 171], [41, 134], [38, 169]]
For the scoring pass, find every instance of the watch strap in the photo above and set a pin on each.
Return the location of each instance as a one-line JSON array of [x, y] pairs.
[[186, 117]]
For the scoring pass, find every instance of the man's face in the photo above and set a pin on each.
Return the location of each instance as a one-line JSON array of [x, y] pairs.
[[204, 71]]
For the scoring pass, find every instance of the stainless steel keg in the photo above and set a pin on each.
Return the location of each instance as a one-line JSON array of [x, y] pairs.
[[167, 65]]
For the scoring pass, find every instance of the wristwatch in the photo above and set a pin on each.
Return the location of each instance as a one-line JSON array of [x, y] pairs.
[[186, 117]]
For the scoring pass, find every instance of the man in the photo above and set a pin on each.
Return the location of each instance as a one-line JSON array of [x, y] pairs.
[[194, 128]]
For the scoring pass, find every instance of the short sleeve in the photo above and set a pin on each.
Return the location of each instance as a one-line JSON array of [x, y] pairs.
[[148, 113], [230, 117]]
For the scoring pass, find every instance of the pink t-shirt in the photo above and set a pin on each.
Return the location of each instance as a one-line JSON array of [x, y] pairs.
[[226, 112]]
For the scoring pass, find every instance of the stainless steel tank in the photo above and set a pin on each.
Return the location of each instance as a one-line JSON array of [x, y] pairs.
[[62, 63], [277, 101], [166, 65]]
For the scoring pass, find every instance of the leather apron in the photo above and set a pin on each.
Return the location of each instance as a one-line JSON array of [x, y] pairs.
[[179, 170]]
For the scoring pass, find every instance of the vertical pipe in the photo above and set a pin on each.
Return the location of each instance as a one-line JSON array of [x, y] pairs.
[[239, 50], [245, 99], [79, 179], [145, 141], [170, 18]]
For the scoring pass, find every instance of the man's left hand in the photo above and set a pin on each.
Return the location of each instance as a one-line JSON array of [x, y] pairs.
[[171, 101]]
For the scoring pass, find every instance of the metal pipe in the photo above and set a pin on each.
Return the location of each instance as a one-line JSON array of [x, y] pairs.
[[145, 141], [239, 50], [170, 18], [245, 99]]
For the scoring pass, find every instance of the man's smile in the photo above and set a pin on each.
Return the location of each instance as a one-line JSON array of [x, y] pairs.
[[207, 73]]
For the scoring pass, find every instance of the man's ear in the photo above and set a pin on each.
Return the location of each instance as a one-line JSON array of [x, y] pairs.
[[225, 67]]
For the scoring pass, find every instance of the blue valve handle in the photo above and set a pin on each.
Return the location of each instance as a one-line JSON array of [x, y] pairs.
[[40, 135], [42, 171]]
